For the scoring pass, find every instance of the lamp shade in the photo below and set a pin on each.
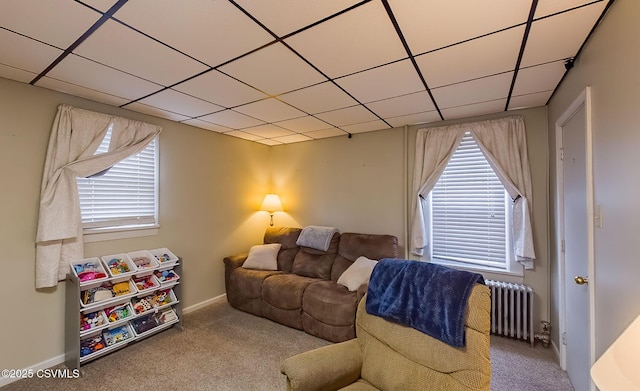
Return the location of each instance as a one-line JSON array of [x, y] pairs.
[[271, 203], [617, 368]]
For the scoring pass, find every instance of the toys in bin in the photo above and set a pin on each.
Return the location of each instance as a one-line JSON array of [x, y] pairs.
[[91, 320], [105, 292], [88, 271], [163, 258], [166, 275], [143, 283], [116, 313], [142, 262], [150, 321], [118, 266], [154, 300], [91, 345], [118, 334]]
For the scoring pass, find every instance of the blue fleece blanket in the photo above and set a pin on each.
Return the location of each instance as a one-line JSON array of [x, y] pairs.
[[428, 297]]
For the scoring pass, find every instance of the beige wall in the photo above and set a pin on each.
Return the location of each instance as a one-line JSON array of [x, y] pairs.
[[210, 187], [610, 64], [358, 185]]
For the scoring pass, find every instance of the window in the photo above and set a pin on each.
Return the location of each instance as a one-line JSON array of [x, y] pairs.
[[470, 213], [123, 197]]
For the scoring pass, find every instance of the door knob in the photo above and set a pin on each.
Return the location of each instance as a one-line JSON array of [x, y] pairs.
[[581, 280]]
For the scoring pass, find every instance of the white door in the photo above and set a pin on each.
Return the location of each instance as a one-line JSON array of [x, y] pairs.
[[577, 201]]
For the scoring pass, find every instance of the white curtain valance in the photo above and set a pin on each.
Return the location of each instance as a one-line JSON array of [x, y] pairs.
[[503, 142], [75, 136]]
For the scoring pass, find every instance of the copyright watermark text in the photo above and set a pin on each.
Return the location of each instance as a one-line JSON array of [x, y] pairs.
[[49, 373]]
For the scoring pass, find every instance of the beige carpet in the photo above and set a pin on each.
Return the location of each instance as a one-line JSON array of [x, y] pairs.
[[221, 348]]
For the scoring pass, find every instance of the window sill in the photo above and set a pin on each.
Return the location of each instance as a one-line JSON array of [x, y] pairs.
[[489, 273], [91, 235]]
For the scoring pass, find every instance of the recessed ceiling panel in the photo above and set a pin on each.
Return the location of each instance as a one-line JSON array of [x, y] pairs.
[[480, 57], [206, 125], [529, 100], [544, 44], [479, 90], [270, 110], [366, 127], [303, 124], [243, 135], [548, 7], [146, 109], [471, 110], [347, 44], [319, 98], [348, 116], [89, 74], [403, 105], [539, 78], [232, 119], [58, 23], [268, 131], [210, 31], [391, 80], [430, 25], [180, 103], [83, 92], [273, 70], [25, 53], [294, 138], [118, 46], [285, 16], [324, 133], [268, 141], [220, 89], [411, 119]]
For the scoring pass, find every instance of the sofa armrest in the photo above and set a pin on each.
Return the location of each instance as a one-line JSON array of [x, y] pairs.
[[327, 368], [235, 261]]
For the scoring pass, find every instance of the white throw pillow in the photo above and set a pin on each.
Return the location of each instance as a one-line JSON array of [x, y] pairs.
[[358, 273], [263, 256]]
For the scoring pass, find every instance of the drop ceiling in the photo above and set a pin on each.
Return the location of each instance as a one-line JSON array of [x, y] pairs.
[[285, 71]]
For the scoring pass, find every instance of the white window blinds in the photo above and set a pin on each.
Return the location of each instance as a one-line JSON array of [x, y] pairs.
[[468, 204], [125, 195]]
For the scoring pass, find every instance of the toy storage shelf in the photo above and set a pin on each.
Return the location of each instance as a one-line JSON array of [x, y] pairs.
[[75, 308]]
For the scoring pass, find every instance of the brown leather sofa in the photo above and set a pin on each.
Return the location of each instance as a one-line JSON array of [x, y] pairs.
[[303, 293]]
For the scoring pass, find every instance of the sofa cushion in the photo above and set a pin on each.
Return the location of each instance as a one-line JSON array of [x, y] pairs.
[[248, 282], [287, 238], [357, 274], [354, 245], [314, 263], [263, 256], [285, 290], [330, 303]]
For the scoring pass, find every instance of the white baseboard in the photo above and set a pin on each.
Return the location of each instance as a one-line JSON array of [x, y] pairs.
[[41, 365], [203, 304], [60, 359]]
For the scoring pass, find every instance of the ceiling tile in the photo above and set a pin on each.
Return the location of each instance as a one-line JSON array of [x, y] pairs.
[[383, 82], [218, 88], [319, 98], [17, 74], [243, 135], [489, 55], [548, 7], [268, 141], [348, 116], [270, 110], [48, 21], [89, 74], [417, 118], [286, 16], [529, 100], [294, 138], [543, 44], [539, 78], [475, 109], [180, 103], [268, 131], [274, 70], [303, 124], [206, 125], [196, 28], [83, 92], [102, 5], [345, 44], [118, 46], [475, 91], [430, 25], [324, 133], [25, 53], [146, 109], [366, 127], [402, 105], [231, 119]]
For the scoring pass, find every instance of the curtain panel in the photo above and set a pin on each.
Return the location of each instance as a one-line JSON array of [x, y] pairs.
[[75, 136], [503, 143]]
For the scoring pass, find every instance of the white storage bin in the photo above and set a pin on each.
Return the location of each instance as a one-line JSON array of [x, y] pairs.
[[118, 334], [153, 302], [119, 266], [119, 313], [144, 261], [166, 258], [92, 321], [146, 284], [104, 295], [90, 272], [167, 277]]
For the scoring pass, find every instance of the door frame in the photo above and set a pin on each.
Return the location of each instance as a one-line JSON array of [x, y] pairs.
[[583, 100]]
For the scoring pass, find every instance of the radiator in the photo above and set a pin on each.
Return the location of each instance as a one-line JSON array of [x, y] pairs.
[[511, 310]]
